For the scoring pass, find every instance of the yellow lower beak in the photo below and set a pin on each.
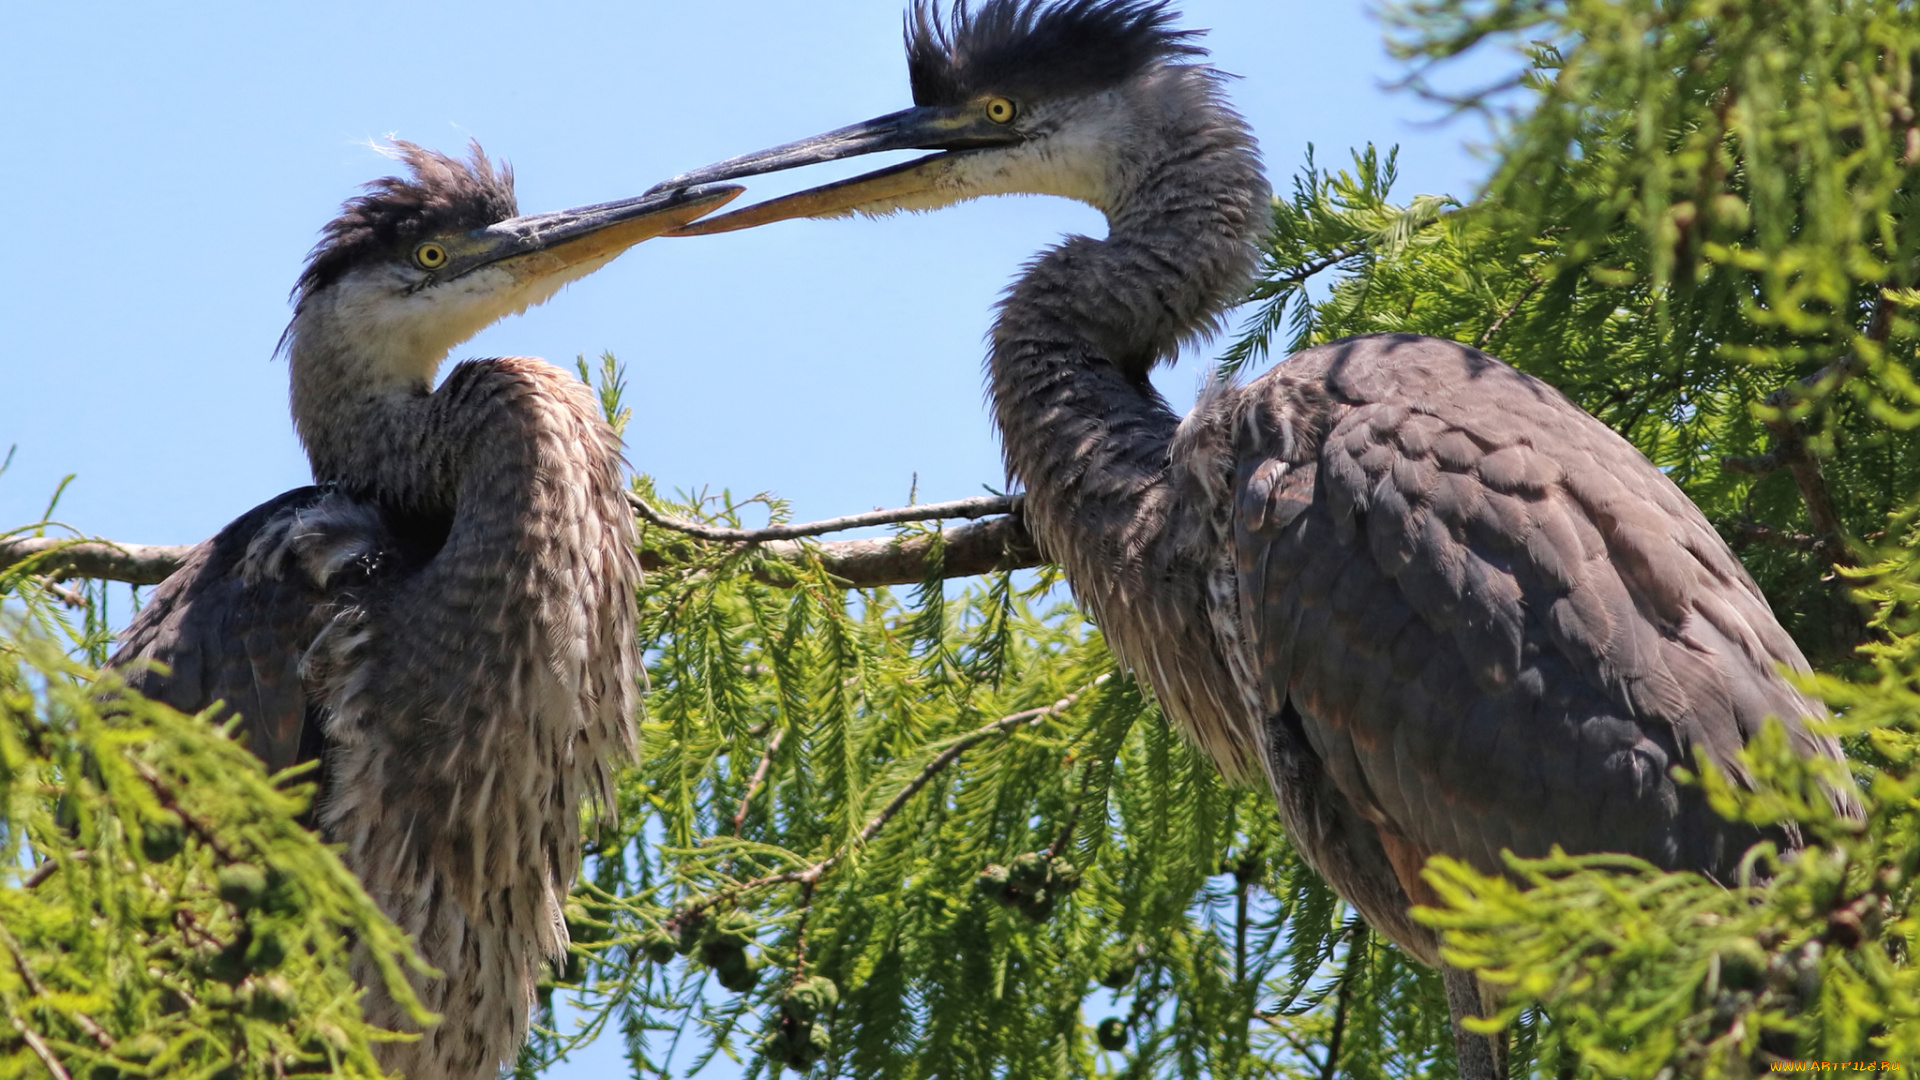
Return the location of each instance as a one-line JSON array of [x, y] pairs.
[[914, 185]]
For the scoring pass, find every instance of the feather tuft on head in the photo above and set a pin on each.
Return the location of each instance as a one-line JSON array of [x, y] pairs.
[[394, 213], [1037, 47]]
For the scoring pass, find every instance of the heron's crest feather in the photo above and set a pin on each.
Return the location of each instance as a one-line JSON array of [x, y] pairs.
[[1040, 47], [443, 194]]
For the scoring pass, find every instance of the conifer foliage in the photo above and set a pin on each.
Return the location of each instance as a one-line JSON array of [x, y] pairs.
[[168, 915], [1700, 228], [879, 835]]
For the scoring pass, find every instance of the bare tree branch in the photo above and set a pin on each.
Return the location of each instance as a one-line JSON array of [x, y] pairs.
[[1030, 717], [1757, 465], [1790, 450], [1330, 1068], [759, 777], [39, 1048], [87, 1023], [1513, 308], [1754, 532], [979, 547], [48, 868], [984, 506], [58, 558], [72, 598], [1304, 271]]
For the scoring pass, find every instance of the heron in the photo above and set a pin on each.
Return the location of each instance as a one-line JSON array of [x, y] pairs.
[[1440, 607], [445, 619]]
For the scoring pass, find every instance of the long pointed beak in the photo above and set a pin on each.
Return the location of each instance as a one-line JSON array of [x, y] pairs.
[[925, 184], [542, 245], [913, 185]]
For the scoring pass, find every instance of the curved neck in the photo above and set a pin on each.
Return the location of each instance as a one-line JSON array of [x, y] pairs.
[[1079, 333], [499, 671], [363, 355], [349, 422]]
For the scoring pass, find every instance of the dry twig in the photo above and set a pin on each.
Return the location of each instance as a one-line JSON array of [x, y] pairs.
[[87, 1024], [59, 559], [48, 868], [759, 777], [984, 506], [1512, 309], [1790, 450], [40, 1048], [807, 876]]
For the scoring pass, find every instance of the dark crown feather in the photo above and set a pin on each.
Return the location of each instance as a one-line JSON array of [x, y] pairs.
[[1037, 47], [394, 213]]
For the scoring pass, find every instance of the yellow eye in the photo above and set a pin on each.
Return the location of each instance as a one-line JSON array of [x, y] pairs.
[[430, 256], [1000, 110]]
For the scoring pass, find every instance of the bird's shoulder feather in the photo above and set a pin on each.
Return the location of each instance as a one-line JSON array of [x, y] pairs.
[[1484, 604], [237, 621]]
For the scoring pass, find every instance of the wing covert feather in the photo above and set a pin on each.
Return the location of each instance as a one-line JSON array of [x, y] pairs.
[[1500, 624], [235, 622]]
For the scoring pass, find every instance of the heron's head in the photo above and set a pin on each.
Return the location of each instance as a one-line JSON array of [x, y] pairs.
[[417, 264], [1077, 98]]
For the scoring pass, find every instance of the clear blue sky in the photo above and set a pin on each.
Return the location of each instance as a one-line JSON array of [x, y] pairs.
[[167, 168]]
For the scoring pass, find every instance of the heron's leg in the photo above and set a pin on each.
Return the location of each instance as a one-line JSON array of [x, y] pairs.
[[1482, 1057]]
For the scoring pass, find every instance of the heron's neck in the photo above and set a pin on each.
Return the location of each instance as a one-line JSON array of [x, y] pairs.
[[364, 416], [492, 692], [1080, 424]]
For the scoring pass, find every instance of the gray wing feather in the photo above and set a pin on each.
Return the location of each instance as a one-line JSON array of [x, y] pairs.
[[235, 622], [1500, 624]]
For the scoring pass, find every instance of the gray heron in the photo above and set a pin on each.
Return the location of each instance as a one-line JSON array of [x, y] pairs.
[[1439, 607], [445, 620]]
